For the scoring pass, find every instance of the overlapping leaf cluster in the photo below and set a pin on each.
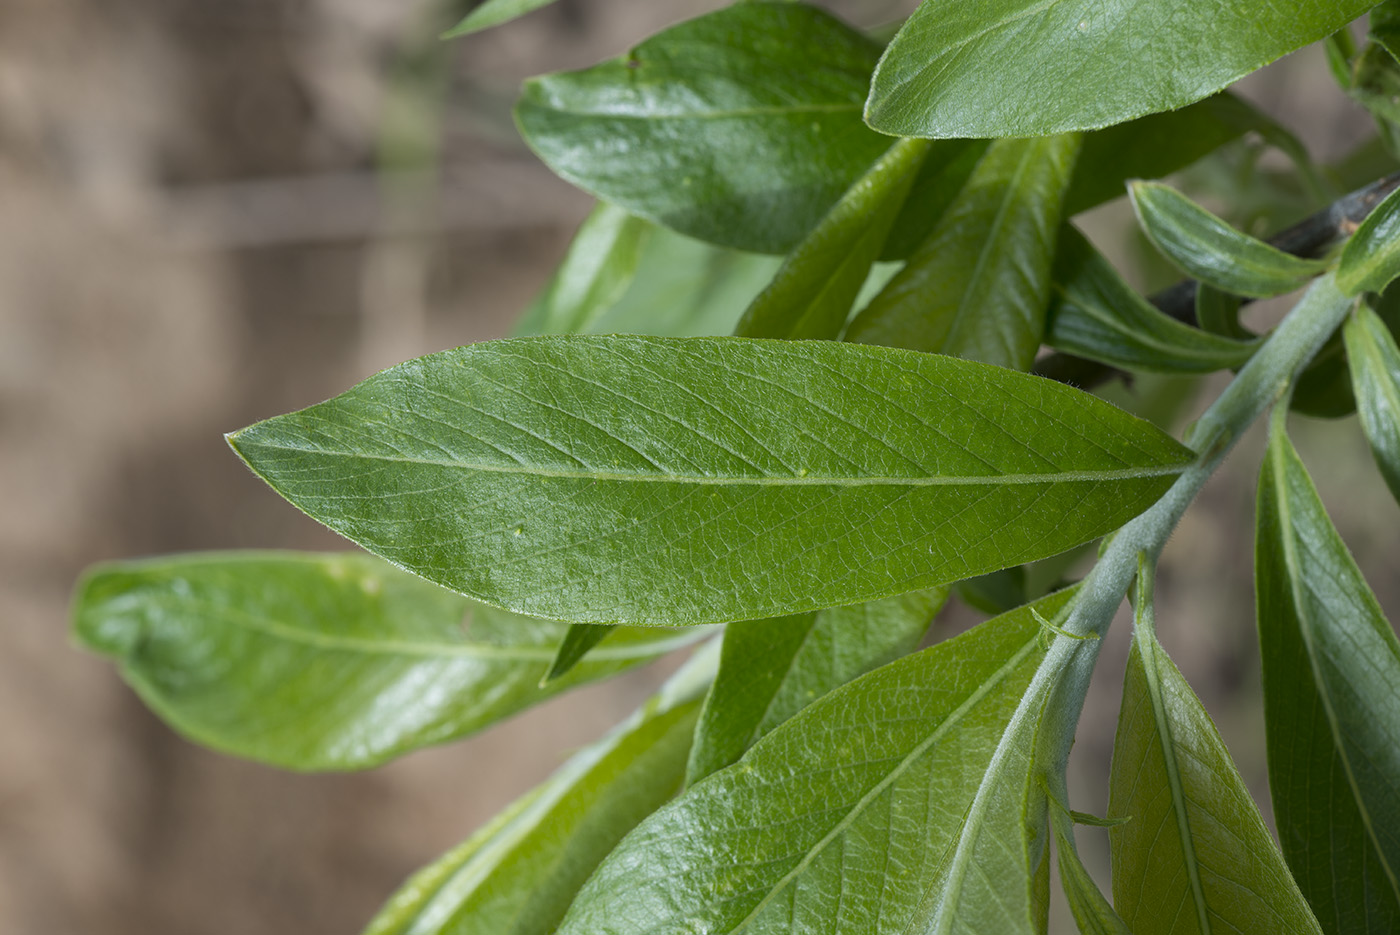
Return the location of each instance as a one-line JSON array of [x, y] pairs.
[[887, 232]]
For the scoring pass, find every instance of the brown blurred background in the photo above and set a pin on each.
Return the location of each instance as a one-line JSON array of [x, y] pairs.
[[215, 212]]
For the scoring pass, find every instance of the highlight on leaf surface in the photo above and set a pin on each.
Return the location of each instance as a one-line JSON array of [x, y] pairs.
[[683, 481]]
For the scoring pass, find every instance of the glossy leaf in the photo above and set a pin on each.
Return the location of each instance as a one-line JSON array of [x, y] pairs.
[[999, 68], [811, 295], [577, 641], [597, 271], [849, 818], [978, 286], [1092, 912], [771, 669], [323, 661], [1195, 856], [1374, 360], [1208, 249], [742, 127], [1095, 314], [1331, 705], [518, 875], [653, 480], [493, 13], [1371, 258]]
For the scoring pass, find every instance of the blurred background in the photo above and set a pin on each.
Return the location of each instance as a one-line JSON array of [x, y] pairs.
[[215, 212]]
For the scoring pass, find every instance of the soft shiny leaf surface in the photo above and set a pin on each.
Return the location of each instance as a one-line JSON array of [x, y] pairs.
[[771, 669], [518, 875], [847, 819], [678, 481], [493, 13], [1208, 249], [811, 295], [1331, 705], [1371, 258], [1095, 314], [978, 286], [323, 661], [742, 127], [996, 68], [1195, 856], [597, 271], [1374, 360]]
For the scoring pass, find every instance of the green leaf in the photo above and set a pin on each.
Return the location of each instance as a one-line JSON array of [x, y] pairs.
[[319, 662], [978, 286], [995, 593], [741, 128], [771, 669], [1208, 249], [1384, 26], [1095, 314], [518, 875], [678, 481], [945, 171], [493, 13], [1375, 372], [1324, 390], [1219, 313], [1331, 705], [597, 271], [1196, 856], [1371, 258], [1006, 68], [854, 816], [1091, 910], [811, 296], [577, 641]]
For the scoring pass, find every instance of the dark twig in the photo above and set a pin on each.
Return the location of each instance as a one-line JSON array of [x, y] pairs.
[[1310, 237]]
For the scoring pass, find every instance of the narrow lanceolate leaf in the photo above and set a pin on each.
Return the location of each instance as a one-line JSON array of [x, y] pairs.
[[978, 286], [741, 128], [945, 171], [518, 875], [1195, 856], [771, 669], [996, 68], [1208, 249], [577, 641], [1371, 258], [599, 267], [811, 295], [1091, 910], [677, 481], [323, 661], [846, 819], [493, 13], [1095, 314], [1331, 705], [1374, 360]]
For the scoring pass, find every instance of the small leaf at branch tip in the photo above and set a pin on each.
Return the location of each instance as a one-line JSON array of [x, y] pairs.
[[1094, 821]]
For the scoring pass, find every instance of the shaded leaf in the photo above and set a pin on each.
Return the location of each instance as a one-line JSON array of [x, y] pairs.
[[1196, 857], [1331, 705], [945, 171], [321, 661], [1219, 313], [518, 875], [849, 817], [771, 669], [978, 286], [995, 593], [1091, 909], [742, 127], [811, 295], [1374, 362], [1095, 314], [1208, 249], [1324, 390], [1384, 26], [1371, 258], [677, 481], [577, 641], [493, 13], [999, 68]]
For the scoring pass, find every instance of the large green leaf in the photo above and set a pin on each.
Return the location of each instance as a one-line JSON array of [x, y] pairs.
[[597, 271], [811, 296], [1371, 258], [518, 875], [978, 286], [323, 661], [997, 68], [1374, 360], [1209, 249], [854, 817], [677, 481], [1194, 855], [742, 127], [771, 669], [493, 13], [1095, 314], [1331, 705]]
